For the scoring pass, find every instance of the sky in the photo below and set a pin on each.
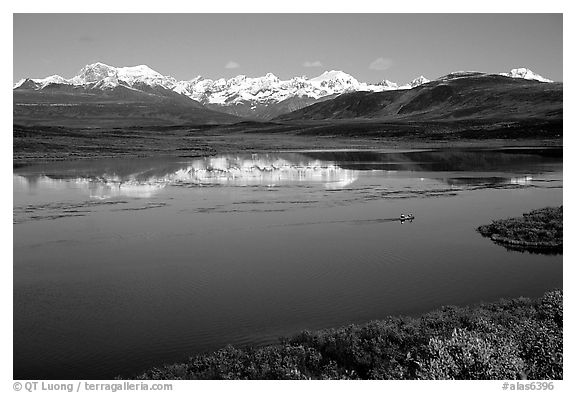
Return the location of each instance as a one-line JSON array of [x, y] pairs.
[[371, 47]]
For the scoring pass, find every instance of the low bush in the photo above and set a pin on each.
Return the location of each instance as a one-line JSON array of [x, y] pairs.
[[508, 339], [538, 231]]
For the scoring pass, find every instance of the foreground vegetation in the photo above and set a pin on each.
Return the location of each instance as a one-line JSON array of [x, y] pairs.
[[508, 339], [537, 231]]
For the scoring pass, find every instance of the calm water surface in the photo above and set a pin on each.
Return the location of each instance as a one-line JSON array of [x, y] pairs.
[[120, 265]]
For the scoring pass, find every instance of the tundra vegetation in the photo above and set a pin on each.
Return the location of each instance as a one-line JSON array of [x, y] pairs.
[[506, 339], [538, 231]]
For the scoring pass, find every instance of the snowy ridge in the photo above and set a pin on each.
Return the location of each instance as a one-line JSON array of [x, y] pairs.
[[525, 73], [103, 76], [269, 88], [264, 90]]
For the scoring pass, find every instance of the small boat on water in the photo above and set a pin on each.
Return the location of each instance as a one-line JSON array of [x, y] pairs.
[[408, 216]]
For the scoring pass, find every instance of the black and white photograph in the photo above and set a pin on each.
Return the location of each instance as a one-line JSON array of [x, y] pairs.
[[286, 196]]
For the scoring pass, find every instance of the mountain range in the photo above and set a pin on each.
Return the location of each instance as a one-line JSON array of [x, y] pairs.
[[139, 95]]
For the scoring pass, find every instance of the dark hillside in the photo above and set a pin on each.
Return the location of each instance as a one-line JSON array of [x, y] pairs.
[[74, 106], [473, 97]]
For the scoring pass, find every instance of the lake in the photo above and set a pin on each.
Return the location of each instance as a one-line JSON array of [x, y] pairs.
[[121, 265]]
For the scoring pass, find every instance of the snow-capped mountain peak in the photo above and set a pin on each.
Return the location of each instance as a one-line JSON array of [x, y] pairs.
[[419, 81], [146, 75], [331, 75], [415, 83], [335, 82], [40, 83], [335, 77], [49, 79], [105, 76], [388, 85], [93, 73], [525, 73], [138, 71]]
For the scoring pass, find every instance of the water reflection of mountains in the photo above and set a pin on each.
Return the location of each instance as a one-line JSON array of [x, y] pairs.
[[107, 177], [333, 168]]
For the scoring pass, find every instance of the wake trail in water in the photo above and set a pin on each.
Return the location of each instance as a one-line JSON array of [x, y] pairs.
[[354, 221]]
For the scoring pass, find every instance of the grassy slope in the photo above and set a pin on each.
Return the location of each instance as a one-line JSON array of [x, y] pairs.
[[508, 339], [536, 231]]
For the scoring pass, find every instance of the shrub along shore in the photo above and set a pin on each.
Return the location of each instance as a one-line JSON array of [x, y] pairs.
[[507, 339], [539, 231]]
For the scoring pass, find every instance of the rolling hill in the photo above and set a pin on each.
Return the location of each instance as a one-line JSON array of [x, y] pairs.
[[459, 96]]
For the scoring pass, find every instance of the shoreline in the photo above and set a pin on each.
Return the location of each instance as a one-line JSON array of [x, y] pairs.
[[501, 341], [538, 231]]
